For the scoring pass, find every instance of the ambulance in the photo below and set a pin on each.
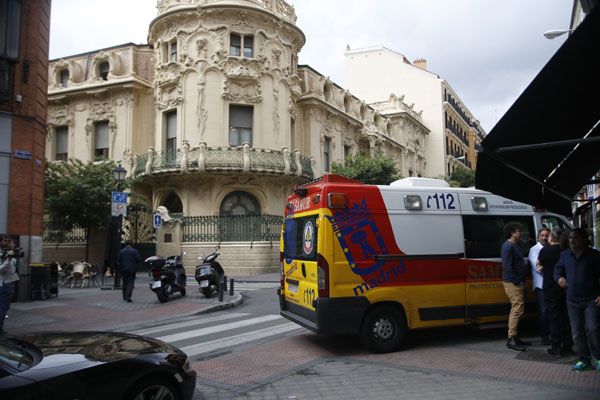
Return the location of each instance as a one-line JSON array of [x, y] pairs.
[[378, 261]]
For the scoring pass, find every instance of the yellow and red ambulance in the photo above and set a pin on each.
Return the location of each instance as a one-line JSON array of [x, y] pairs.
[[377, 261]]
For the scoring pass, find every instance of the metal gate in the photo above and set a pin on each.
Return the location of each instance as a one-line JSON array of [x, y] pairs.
[[138, 228]]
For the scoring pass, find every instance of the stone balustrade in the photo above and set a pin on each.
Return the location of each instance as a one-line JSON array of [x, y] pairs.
[[224, 159]]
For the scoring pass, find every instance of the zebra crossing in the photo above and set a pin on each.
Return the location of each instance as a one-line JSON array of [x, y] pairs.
[[201, 336]]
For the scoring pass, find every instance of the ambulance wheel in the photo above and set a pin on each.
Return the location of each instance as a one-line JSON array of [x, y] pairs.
[[383, 329]]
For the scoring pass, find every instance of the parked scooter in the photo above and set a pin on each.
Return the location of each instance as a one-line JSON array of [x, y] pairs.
[[168, 276], [209, 273]]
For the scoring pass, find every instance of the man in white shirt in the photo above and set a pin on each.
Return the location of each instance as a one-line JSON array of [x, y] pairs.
[[537, 281], [8, 279]]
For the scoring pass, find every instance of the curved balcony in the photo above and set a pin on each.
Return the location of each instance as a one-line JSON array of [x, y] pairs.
[[224, 159]]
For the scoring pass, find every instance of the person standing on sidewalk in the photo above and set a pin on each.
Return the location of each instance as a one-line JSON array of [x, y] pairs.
[[513, 277], [537, 281], [554, 296], [578, 270], [127, 264], [8, 279]]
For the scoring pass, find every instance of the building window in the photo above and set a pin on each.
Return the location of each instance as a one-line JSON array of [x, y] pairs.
[[103, 69], [171, 134], [10, 24], [169, 51], [292, 134], [173, 51], [347, 151], [240, 125], [239, 42], [63, 77], [5, 80], [62, 143], [239, 204], [326, 156], [101, 136]]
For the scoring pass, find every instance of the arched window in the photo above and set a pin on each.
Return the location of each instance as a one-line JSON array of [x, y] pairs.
[[239, 203], [327, 92], [173, 203], [103, 69]]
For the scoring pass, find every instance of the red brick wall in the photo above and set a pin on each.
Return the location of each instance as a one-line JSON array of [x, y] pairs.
[[26, 193]]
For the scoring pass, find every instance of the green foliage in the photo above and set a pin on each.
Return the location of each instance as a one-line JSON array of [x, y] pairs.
[[378, 170], [79, 194], [462, 177]]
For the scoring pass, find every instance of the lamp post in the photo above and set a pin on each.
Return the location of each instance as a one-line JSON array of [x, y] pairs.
[[554, 33], [119, 173]]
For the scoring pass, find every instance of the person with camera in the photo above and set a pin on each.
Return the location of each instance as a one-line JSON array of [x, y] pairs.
[[8, 279]]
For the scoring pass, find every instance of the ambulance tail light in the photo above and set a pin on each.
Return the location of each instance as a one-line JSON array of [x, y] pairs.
[[322, 276], [479, 203], [337, 200], [281, 274]]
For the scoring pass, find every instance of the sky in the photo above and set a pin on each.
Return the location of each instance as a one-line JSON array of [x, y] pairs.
[[488, 51]]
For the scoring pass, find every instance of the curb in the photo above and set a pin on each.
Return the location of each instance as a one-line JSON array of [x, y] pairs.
[[236, 301]]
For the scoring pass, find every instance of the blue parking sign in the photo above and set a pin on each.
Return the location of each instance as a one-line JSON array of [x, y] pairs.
[[157, 220], [119, 197]]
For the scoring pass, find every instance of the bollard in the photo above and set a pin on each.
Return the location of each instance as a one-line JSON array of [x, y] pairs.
[[225, 281], [221, 291], [231, 287]]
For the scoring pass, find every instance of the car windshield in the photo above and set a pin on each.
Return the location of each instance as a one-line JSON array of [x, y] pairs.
[[15, 355]]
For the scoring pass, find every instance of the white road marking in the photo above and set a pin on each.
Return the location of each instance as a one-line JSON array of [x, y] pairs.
[[218, 328], [207, 347], [185, 324]]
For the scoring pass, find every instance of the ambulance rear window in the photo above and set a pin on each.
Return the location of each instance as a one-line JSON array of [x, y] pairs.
[[300, 238]]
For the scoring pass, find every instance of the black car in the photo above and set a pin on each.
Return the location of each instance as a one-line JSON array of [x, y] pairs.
[[93, 365]]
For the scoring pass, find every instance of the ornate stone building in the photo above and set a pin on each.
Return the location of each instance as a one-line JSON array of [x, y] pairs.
[[216, 117]]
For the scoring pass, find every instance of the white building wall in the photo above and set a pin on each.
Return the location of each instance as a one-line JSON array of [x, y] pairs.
[[389, 73]]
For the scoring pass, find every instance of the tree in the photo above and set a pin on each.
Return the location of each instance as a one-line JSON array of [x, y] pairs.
[[78, 194], [462, 177], [378, 170]]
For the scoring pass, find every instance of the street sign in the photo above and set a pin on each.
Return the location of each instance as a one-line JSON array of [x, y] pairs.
[[118, 204], [157, 220]]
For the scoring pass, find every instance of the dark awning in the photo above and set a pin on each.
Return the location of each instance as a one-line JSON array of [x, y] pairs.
[[547, 145]]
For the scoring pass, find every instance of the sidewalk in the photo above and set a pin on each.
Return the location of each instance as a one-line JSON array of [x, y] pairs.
[[81, 309]]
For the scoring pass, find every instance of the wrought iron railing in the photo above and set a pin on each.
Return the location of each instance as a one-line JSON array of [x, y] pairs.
[[232, 228], [224, 159], [55, 233]]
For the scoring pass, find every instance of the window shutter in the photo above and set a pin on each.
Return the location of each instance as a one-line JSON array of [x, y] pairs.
[[62, 140], [102, 135], [240, 117], [171, 124]]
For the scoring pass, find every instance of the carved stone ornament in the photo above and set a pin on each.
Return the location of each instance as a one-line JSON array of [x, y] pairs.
[[101, 108], [242, 91]]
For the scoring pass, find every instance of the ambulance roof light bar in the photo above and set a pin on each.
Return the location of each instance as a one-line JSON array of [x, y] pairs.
[[420, 182]]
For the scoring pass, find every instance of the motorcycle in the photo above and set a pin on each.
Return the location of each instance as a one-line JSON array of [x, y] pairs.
[[209, 273], [168, 276]]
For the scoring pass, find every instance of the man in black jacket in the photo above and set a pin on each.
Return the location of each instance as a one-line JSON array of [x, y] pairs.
[[554, 295], [127, 263], [578, 270]]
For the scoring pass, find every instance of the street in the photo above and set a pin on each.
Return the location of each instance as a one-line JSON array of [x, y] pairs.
[[250, 352]]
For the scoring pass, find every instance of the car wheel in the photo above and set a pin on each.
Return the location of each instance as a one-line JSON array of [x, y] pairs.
[[154, 389], [383, 329], [207, 292]]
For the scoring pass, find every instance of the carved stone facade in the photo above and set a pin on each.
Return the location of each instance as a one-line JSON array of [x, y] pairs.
[[216, 104]]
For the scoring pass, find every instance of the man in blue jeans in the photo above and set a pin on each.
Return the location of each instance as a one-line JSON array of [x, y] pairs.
[[578, 270]]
